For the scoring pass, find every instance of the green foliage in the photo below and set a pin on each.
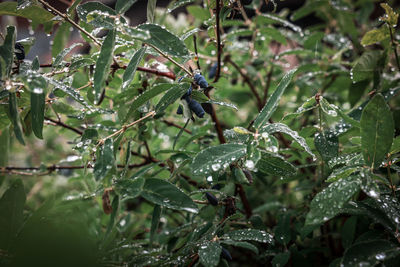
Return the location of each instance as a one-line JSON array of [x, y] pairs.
[[295, 162]]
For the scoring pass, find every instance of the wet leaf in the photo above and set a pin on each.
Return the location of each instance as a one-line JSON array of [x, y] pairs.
[[131, 68], [377, 131], [14, 117], [37, 111], [173, 94], [249, 235], [123, 5], [217, 158], [275, 165], [209, 253], [327, 144], [105, 160]]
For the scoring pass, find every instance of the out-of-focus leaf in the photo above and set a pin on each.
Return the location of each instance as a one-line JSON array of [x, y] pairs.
[[34, 13], [375, 36], [123, 5], [11, 209], [7, 49], [103, 64], [151, 10], [377, 131], [366, 66], [60, 38], [155, 219]]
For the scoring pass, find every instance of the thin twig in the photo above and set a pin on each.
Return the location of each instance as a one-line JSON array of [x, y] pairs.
[[73, 23], [125, 127], [60, 123], [169, 123], [171, 59], [195, 51], [394, 47], [247, 80], [219, 47]]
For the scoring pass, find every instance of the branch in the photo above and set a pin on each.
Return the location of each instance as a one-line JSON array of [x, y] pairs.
[[169, 123], [247, 80], [60, 123], [171, 59], [219, 47], [73, 23], [125, 127]]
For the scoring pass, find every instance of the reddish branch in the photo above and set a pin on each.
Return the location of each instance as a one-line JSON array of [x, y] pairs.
[[246, 80], [60, 123], [170, 123], [219, 47]]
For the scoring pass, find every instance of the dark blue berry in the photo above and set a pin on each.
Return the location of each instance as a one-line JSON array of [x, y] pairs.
[[200, 80], [212, 199], [225, 254], [196, 108], [213, 71], [19, 51], [179, 111]]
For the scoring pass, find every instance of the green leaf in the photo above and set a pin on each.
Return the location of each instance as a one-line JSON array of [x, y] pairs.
[[273, 100], [105, 160], [130, 188], [348, 231], [330, 201], [282, 128], [57, 62], [327, 145], [165, 194], [131, 68], [377, 131], [369, 253], [94, 14], [7, 49], [151, 10], [209, 253], [215, 158], [123, 5], [342, 172], [241, 244], [147, 95], [103, 64], [4, 148], [173, 94], [155, 219], [37, 111], [281, 259], [73, 93], [14, 117], [365, 66], [375, 36], [308, 105], [164, 40], [250, 235], [391, 17], [175, 4], [34, 13], [11, 209], [282, 230], [395, 146], [275, 165], [270, 19]]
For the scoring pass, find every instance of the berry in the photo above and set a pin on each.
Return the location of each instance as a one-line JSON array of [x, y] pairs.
[[212, 199]]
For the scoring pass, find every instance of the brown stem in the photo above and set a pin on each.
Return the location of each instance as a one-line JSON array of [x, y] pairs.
[[246, 204], [170, 123], [60, 123], [219, 47], [246, 80]]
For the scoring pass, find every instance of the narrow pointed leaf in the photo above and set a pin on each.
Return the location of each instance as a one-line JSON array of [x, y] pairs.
[[164, 40], [210, 253], [171, 96], [131, 68], [7, 49], [250, 235], [241, 244], [37, 111], [14, 116], [377, 131], [123, 5], [151, 10], [273, 100], [155, 219], [275, 165], [11, 209], [282, 128], [103, 64], [330, 201], [216, 158], [104, 160], [167, 195]]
